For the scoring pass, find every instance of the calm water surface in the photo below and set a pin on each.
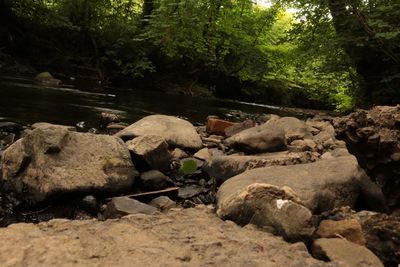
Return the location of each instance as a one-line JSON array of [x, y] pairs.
[[23, 101]]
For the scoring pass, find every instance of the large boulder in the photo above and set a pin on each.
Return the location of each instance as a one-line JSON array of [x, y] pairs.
[[268, 206], [293, 127], [259, 139], [321, 185], [189, 237], [52, 161], [177, 132]]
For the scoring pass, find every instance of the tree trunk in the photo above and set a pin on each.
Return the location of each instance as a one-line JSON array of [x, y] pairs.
[[147, 11]]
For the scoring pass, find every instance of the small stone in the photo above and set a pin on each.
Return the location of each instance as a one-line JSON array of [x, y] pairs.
[[178, 153], [89, 203], [349, 229], [203, 154], [154, 180], [163, 203], [121, 206], [237, 128], [191, 191]]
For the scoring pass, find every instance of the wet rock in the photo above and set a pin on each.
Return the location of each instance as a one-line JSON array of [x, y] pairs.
[[350, 229], [107, 117], [46, 78], [154, 180], [262, 138], [266, 206], [353, 255], [321, 186], [237, 128], [224, 167], [163, 203], [122, 206], [10, 127], [177, 132], [89, 203], [217, 126], [192, 237], [52, 161], [152, 149], [114, 126]]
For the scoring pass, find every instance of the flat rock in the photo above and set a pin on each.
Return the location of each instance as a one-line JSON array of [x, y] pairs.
[[225, 167], [217, 126], [353, 255], [52, 161], [294, 128], [321, 186], [121, 206], [154, 180], [163, 203], [259, 139], [46, 125], [177, 132], [189, 237]]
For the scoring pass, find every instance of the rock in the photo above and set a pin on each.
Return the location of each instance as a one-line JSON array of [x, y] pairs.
[[262, 138], [293, 128], [217, 126], [303, 145], [267, 206], [154, 180], [321, 186], [203, 154], [225, 167], [237, 128], [382, 233], [47, 125], [178, 154], [163, 203], [190, 191], [373, 136], [187, 237], [52, 161], [108, 117], [122, 206], [177, 132], [10, 127], [47, 79], [89, 203], [349, 229], [353, 255], [117, 126], [152, 149]]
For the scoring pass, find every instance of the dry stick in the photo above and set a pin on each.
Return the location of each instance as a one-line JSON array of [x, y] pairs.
[[167, 190]]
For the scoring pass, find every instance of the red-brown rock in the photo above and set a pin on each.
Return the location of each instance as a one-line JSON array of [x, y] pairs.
[[218, 126]]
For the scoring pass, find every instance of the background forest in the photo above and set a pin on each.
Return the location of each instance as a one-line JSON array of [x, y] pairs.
[[334, 54]]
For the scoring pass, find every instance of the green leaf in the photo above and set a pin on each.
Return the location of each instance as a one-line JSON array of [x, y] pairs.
[[188, 167]]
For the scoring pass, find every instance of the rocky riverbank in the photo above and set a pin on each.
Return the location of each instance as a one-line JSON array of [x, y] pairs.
[[277, 177]]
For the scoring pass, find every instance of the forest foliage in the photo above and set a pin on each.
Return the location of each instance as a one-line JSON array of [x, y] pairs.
[[339, 53]]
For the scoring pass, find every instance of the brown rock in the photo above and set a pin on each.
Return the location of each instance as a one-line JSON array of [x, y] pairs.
[[349, 229], [217, 126], [237, 128], [337, 249], [121, 206]]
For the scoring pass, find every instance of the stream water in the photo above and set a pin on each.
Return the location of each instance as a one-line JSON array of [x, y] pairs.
[[23, 101]]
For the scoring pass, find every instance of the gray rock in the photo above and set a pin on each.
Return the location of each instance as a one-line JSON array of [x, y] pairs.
[[177, 132], [267, 206], [294, 128], [47, 125], [340, 250], [152, 149], [258, 139], [52, 161], [121, 206], [154, 180], [321, 186]]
